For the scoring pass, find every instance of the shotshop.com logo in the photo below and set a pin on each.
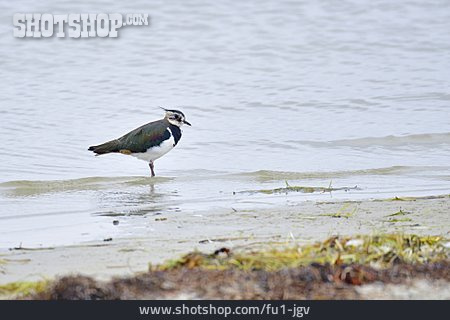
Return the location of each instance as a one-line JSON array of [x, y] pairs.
[[74, 25]]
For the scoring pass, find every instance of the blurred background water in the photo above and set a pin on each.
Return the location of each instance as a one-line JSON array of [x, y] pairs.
[[312, 92]]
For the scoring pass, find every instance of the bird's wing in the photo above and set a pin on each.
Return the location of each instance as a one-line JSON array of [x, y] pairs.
[[149, 135]]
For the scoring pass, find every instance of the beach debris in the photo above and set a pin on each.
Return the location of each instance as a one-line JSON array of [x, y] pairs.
[[329, 269], [20, 247], [223, 250], [22, 288], [396, 217], [442, 196], [342, 213], [399, 213], [315, 281], [375, 250], [288, 188], [393, 220]]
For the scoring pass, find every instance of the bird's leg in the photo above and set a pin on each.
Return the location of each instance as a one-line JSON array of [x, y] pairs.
[[151, 168]]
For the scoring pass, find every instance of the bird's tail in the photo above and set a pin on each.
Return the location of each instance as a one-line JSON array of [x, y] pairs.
[[107, 147]]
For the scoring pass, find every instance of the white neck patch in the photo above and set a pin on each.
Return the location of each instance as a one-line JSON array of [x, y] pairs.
[[175, 122]]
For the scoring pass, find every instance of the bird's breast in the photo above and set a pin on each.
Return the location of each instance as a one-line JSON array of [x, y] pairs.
[[157, 151]]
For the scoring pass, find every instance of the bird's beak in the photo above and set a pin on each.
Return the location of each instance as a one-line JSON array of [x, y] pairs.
[[185, 122]]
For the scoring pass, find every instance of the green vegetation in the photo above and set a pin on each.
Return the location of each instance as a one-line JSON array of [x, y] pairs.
[[290, 188], [442, 196], [399, 213], [20, 289], [379, 251], [399, 220], [342, 213]]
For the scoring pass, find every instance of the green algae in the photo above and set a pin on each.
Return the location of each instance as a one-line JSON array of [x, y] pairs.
[[397, 216], [399, 213], [22, 288], [288, 188], [399, 220], [380, 251], [442, 196], [342, 213]]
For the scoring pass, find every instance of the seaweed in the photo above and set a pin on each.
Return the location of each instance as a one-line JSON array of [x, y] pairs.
[[442, 196], [342, 213], [399, 213], [327, 269], [377, 250], [22, 288], [288, 188], [400, 220], [393, 217]]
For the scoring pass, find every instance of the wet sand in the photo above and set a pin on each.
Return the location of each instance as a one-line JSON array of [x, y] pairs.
[[236, 229]]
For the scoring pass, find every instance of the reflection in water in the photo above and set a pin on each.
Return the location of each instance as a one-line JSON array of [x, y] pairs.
[[133, 201], [34, 188]]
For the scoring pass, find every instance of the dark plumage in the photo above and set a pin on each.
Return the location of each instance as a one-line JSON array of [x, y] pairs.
[[139, 140], [148, 142]]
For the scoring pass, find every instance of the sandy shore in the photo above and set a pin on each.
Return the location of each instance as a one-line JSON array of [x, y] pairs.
[[238, 230]]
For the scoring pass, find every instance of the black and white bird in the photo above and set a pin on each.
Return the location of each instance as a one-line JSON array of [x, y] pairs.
[[148, 142]]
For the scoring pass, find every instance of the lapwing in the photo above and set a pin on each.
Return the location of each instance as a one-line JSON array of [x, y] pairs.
[[148, 142]]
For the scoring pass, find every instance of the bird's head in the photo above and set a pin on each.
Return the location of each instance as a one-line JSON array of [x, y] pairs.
[[175, 117]]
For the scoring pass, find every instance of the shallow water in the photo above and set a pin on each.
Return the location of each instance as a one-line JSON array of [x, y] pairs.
[[345, 92]]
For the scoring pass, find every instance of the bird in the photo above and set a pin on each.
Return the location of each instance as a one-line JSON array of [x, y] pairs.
[[148, 142]]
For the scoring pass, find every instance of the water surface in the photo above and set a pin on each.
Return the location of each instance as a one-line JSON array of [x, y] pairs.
[[341, 92]]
